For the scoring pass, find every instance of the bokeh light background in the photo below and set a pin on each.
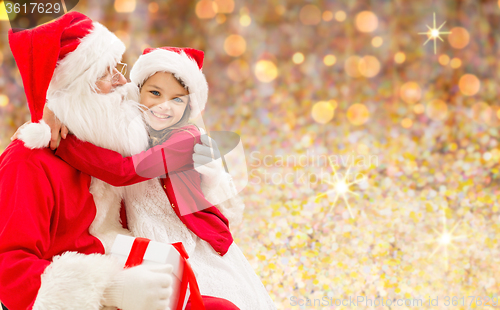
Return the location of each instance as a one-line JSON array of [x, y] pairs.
[[350, 79]]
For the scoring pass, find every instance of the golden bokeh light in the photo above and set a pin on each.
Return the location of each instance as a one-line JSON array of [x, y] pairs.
[[482, 113], [437, 110], [280, 9], [245, 20], [459, 37], [323, 112], [469, 84], [220, 19], [400, 57], [266, 71], [125, 6], [444, 59], [456, 63], [351, 66], [329, 60], [362, 149], [340, 16], [310, 15], [224, 6], [377, 41], [4, 100], [410, 92], [358, 114], [206, 9], [1, 58], [406, 122], [419, 108], [235, 45], [366, 21], [238, 70], [306, 141], [153, 7], [369, 66], [327, 16], [298, 58]]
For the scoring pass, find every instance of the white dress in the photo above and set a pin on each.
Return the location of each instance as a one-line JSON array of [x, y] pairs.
[[230, 276]]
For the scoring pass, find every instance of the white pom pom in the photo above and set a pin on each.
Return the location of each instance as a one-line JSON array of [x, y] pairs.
[[35, 135]]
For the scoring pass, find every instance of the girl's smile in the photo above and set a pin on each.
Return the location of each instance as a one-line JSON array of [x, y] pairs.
[[160, 115]]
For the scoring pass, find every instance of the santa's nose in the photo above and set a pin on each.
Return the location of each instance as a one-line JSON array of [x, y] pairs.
[[120, 81]]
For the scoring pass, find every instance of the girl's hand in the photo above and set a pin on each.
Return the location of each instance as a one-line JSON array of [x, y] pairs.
[[57, 129], [14, 137]]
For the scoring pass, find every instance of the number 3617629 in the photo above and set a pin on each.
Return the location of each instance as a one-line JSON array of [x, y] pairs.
[[33, 8]]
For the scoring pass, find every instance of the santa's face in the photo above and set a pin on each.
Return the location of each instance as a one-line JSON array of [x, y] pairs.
[[165, 98], [109, 81]]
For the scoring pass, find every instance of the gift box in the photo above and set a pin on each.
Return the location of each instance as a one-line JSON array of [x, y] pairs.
[[135, 251]]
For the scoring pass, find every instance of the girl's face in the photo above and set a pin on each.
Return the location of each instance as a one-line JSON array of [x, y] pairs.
[[165, 98]]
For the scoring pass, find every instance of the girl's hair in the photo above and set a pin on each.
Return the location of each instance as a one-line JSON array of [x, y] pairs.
[[164, 134]]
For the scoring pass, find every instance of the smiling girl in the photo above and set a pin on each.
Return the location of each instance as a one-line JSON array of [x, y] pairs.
[[173, 208], [167, 100]]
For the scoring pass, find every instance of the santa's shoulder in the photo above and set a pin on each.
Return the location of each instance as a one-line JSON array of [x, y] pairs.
[[19, 157]]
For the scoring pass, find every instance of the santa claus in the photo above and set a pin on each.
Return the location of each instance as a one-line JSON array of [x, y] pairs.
[[57, 223]]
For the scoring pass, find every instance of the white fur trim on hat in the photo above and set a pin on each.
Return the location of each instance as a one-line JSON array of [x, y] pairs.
[[35, 135], [181, 66], [98, 50], [76, 281]]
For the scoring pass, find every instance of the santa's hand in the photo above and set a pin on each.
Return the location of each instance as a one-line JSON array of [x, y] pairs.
[[208, 162], [144, 287], [57, 129], [14, 137]]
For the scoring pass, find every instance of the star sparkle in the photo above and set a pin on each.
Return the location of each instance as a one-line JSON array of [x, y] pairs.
[[444, 239], [434, 33], [341, 187]]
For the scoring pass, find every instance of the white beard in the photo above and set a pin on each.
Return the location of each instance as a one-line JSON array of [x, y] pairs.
[[112, 122], [106, 120]]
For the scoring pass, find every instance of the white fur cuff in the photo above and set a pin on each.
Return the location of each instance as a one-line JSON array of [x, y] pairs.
[[76, 281], [35, 135]]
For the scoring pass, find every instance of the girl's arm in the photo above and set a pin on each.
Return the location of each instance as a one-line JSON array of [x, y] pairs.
[[111, 167]]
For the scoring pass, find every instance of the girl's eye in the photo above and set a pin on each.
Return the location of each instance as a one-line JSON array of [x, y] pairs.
[[179, 100], [154, 92]]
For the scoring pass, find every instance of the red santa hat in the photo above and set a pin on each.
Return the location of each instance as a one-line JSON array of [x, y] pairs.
[[184, 63], [53, 56]]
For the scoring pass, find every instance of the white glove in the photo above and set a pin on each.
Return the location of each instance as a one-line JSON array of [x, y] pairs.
[[208, 162], [144, 287]]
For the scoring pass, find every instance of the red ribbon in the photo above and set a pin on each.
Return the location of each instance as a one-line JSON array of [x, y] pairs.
[[188, 277], [136, 257]]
